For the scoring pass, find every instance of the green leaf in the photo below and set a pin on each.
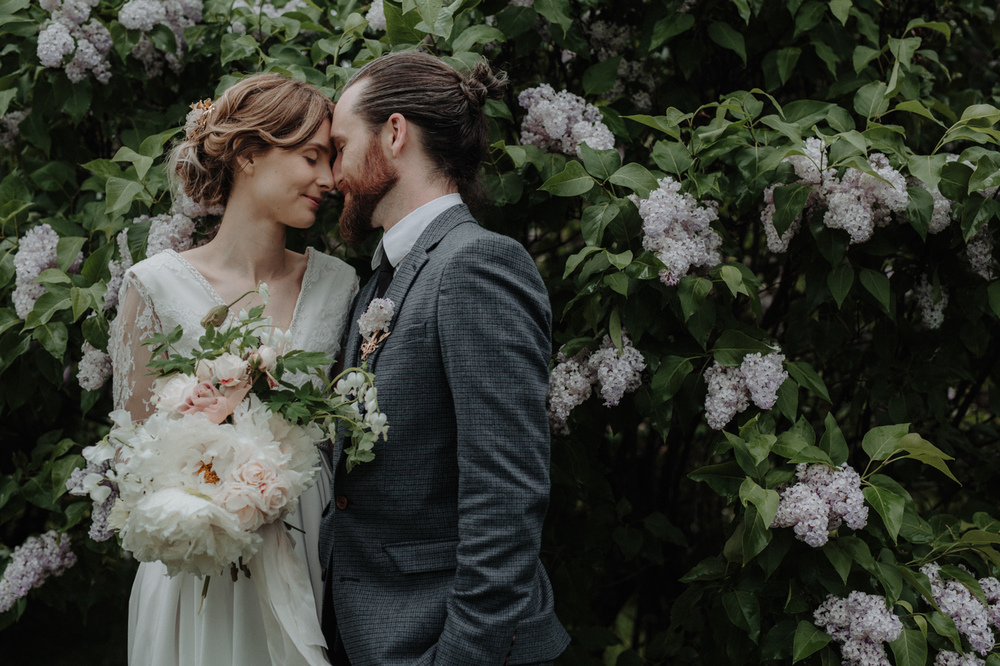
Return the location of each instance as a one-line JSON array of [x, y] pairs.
[[476, 34], [910, 649], [766, 501], [557, 12], [804, 374], [978, 212], [667, 28], [727, 37], [787, 58], [919, 209], [571, 182], [635, 177], [808, 640], [943, 28], [987, 173], [734, 280], [601, 77], [672, 156], [120, 194], [237, 47], [670, 376], [920, 449], [693, 291], [839, 281], [142, 162], [993, 293], [47, 305], [68, 250], [595, 221], [833, 441], [577, 259], [954, 180], [882, 441], [862, 56], [53, 336], [600, 164], [870, 101], [841, 9], [733, 345], [888, 505], [877, 285], [618, 282], [743, 609], [789, 201], [914, 106]]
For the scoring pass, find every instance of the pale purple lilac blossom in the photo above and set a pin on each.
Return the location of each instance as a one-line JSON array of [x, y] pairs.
[[991, 590], [562, 121], [931, 304], [861, 623], [970, 615], [812, 168], [36, 253], [948, 658], [145, 15], [188, 207], [617, 372], [94, 368], [376, 318], [92, 481], [117, 268], [257, 8], [9, 127], [823, 499], [570, 384], [168, 232], [677, 229], [32, 563], [730, 389], [68, 33], [376, 16], [979, 252]]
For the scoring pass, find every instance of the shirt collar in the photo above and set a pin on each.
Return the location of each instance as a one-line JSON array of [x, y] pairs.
[[397, 242]]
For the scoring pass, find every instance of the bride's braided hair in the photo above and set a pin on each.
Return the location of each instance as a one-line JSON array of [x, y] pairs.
[[444, 104], [251, 117]]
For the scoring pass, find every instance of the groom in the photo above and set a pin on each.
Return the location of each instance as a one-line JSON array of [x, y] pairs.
[[431, 549]]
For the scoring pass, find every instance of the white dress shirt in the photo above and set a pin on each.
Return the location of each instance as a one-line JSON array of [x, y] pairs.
[[397, 242]]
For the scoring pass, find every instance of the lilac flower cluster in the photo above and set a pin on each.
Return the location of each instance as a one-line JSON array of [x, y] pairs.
[[9, 127], [948, 658], [376, 16], [572, 380], [32, 563], [117, 268], [168, 232], [823, 498], [93, 481], [861, 623], [979, 252], [36, 252], [562, 121], [68, 33], [970, 615], [678, 230], [94, 368], [144, 15], [185, 205], [991, 590], [931, 306], [608, 40], [856, 203], [730, 390]]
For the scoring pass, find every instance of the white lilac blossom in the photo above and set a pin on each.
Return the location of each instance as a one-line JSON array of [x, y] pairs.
[[730, 390], [36, 252], [991, 590], [145, 15], [617, 372], [117, 268], [678, 230], [185, 205], [376, 318], [561, 121], [94, 368], [948, 658], [763, 376], [812, 168], [32, 563], [861, 623], [68, 33], [979, 252], [93, 481], [970, 615], [168, 232], [941, 215], [9, 127], [376, 16], [570, 384], [861, 201], [823, 498], [931, 305]]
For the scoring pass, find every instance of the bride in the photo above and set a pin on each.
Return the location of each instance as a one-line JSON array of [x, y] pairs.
[[263, 151]]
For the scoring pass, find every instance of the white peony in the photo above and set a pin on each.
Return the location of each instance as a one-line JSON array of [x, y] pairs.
[[230, 370]]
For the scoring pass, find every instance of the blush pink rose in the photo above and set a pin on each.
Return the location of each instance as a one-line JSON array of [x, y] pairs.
[[206, 399], [243, 501], [273, 491]]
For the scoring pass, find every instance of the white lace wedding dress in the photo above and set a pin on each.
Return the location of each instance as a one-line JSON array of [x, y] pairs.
[[169, 625]]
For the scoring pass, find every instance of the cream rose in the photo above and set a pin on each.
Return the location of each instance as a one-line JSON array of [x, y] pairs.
[[170, 392], [230, 370]]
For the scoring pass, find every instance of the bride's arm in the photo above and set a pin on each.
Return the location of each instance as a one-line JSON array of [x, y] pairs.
[[136, 321]]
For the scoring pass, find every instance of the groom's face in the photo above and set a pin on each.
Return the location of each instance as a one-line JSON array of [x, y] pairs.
[[361, 171]]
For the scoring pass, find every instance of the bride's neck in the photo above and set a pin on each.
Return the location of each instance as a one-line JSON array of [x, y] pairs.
[[251, 248]]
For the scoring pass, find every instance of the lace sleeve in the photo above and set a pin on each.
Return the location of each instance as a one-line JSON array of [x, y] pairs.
[[135, 322]]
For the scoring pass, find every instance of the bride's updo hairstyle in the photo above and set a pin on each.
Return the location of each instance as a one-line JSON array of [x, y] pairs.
[[257, 114], [446, 105]]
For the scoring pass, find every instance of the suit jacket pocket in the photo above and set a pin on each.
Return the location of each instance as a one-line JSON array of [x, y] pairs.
[[422, 556]]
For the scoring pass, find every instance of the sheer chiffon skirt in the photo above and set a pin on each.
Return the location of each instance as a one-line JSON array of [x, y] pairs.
[[166, 627]]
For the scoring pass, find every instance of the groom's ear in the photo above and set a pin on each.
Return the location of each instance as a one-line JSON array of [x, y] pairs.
[[398, 133]]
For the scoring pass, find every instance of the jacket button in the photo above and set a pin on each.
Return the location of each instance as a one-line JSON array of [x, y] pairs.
[[341, 502]]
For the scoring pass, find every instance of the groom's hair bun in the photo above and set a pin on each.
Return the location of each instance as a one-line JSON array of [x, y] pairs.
[[444, 104], [254, 115]]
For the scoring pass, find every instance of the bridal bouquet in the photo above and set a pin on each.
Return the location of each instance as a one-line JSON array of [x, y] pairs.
[[230, 445]]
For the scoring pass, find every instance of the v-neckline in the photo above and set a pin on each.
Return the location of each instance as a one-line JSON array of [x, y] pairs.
[[214, 294]]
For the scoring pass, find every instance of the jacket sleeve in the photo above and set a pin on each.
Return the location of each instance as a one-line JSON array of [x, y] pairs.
[[495, 324]]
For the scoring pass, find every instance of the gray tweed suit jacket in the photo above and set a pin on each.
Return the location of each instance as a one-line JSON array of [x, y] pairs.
[[432, 548]]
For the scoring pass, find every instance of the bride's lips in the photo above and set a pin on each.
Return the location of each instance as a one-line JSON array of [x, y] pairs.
[[315, 200]]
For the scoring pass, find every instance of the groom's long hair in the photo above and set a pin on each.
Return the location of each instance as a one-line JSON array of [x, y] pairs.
[[444, 104]]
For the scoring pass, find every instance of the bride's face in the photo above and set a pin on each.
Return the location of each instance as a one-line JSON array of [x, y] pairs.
[[287, 185]]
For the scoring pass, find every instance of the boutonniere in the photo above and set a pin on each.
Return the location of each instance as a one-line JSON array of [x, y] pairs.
[[374, 325]]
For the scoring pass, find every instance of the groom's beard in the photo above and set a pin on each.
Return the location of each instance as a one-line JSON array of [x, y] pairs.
[[362, 196]]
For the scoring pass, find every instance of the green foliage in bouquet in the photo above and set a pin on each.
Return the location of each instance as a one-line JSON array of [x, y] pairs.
[[767, 231]]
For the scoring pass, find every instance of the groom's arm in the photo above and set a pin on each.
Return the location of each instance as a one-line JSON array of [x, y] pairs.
[[495, 324]]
